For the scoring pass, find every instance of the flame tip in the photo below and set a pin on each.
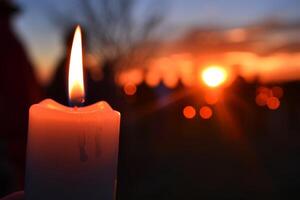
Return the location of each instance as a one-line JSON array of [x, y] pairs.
[[78, 27]]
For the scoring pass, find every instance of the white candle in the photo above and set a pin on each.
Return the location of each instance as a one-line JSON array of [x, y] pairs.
[[72, 153]]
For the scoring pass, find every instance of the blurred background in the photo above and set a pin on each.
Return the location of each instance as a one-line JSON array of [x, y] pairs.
[[209, 91]]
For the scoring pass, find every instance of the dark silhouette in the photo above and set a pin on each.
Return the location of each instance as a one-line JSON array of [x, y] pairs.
[[18, 90], [104, 89], [15, 196]]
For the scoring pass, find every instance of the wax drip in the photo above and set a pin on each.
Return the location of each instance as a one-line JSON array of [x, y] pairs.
[[98, 146], [82, 150]]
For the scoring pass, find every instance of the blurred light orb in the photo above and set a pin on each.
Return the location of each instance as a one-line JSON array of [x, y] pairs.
[[214, 76], [130, 89], [170, 80], [189, 112], [261, 99], [211, 98], [152, 79], [206, 112], [121, 78], [264, 90], [277, 92], [273, 103], [136, 76]]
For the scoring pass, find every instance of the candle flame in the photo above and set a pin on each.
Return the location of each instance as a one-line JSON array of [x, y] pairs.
[[76, 86]]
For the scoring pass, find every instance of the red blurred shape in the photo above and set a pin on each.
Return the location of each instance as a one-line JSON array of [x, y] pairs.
[[211, 98], [189, 112], [152, 79], [261, 99], [264, 90], [273, 103], [130, 89], [277, 92], [170, 80], [206, 112]]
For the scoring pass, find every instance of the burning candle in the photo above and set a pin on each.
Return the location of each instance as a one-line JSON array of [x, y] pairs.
[[72, 152]]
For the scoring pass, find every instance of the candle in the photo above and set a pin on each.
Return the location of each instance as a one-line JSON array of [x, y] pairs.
[[72, 152]]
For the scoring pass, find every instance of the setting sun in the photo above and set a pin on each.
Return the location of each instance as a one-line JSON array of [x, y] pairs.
[[214, 76]]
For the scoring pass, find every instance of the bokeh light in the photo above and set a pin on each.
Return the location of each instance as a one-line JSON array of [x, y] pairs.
[[134, 76], [273, 103], [211, 97], [189, 112], [152, 79], [130, 89], [261, 99], [214, 76], [264, 90], [269, 97], [170, 80], [277, 92], [206, 112], [262, 95]]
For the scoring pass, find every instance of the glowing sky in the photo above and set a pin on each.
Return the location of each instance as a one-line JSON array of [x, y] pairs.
[[43, 39]]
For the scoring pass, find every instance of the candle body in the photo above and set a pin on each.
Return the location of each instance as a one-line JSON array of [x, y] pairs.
[[72, 153]]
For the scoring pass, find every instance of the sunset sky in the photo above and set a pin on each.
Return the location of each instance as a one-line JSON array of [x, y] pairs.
[[44, 41]]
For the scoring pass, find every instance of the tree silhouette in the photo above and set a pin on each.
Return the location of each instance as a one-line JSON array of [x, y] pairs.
[[114, 32]]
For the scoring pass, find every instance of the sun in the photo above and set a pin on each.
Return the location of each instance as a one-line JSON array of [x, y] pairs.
[[214, 76]]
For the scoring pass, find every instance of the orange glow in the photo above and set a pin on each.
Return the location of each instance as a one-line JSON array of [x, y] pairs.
[[189, 112], [136, 76], [76, 86], [264, 90], [214, 76], [261, 99], [206, 112], [188, 81], [170, 80], [273, 103], [263, 94], [185, 69], [277, 92], [152, 79], [236, 35], [130, 89], [212, 97]]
